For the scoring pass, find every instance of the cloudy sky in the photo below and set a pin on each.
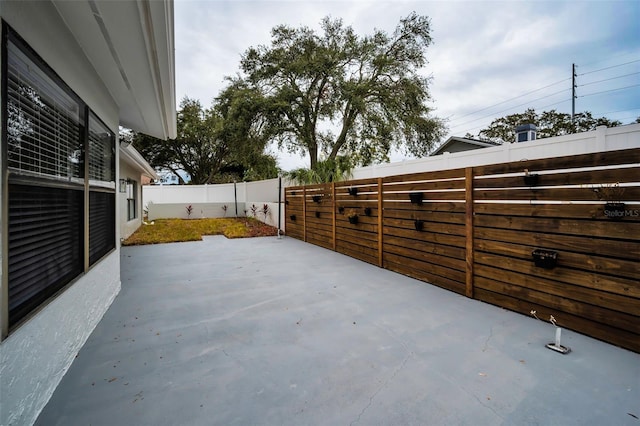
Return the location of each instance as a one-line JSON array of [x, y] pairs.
[[487, 60]]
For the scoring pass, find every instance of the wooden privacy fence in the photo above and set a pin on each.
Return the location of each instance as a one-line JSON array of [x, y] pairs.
[[527, 235]]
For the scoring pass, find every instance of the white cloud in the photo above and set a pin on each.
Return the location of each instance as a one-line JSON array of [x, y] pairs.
[[483, 52]]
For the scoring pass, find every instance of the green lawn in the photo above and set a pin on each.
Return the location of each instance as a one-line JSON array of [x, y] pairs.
[[175, 230]]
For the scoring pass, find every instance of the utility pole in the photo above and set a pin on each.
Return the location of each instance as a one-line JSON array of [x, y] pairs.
[[573, 92]]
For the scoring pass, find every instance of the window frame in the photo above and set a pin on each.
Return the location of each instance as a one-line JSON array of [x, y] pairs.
[[85, 184], [132, 199], [97, 186]]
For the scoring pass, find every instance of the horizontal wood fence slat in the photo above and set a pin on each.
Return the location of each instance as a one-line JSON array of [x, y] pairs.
[[474, 231], [607, 176]]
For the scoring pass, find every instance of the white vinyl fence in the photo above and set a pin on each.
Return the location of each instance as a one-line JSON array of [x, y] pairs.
[[223, 200], [600, 140]]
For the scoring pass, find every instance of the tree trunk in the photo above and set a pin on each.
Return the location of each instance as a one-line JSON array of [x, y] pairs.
[[313, 156], [348, 120]]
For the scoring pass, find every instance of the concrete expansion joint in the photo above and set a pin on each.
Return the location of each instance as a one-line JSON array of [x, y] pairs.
[[384, 385]]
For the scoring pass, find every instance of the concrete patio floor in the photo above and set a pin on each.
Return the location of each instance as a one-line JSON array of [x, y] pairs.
[[278, 332]]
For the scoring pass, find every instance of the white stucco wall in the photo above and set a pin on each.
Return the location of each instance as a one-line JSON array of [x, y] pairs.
[[36, 355], [128, 227], [199, 210]]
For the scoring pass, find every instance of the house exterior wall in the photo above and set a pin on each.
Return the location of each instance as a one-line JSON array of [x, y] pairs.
[[35, 356], [128, 227]]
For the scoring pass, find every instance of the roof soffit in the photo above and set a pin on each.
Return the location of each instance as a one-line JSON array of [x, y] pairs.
[[130, 45]]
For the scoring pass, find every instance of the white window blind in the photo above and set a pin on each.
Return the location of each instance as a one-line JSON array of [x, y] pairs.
[[44, 130]]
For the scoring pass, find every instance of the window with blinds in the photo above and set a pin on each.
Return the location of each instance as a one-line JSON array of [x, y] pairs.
[[102, 155], [102, 198], [49, 135], [44, 122], [45, 244], [102, 224]]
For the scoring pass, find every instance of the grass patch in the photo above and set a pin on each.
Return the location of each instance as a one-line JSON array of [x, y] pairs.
[[176, 230]]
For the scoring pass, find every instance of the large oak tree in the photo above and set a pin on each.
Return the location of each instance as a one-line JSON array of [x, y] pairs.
[[336, 93]]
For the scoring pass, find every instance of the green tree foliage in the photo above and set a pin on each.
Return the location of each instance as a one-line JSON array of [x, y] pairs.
[[336, 93], [240, 107], [549, 123], [214, 145], [330, 170]]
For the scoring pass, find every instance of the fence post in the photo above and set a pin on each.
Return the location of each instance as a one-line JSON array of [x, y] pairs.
[[333, 215], [380, 229], [468, 192], [279, 205], [304, 213]]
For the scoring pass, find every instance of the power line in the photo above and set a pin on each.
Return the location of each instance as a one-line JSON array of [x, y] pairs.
[[609, 58], [607, 91], [508, 100], [541, 108], [504, 110], [613, 112], [608, 79], [556, 103], [521, 96], [631, 117], [608, 68]]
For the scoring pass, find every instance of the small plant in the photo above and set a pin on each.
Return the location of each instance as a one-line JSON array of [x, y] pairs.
[[189, 209], [352, 215], [610, 193], [254, 210], [555, 345], [224, 209], [265, 210]]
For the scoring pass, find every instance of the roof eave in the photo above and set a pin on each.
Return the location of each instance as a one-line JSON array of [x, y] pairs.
[[131, 47], [132, 157]]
